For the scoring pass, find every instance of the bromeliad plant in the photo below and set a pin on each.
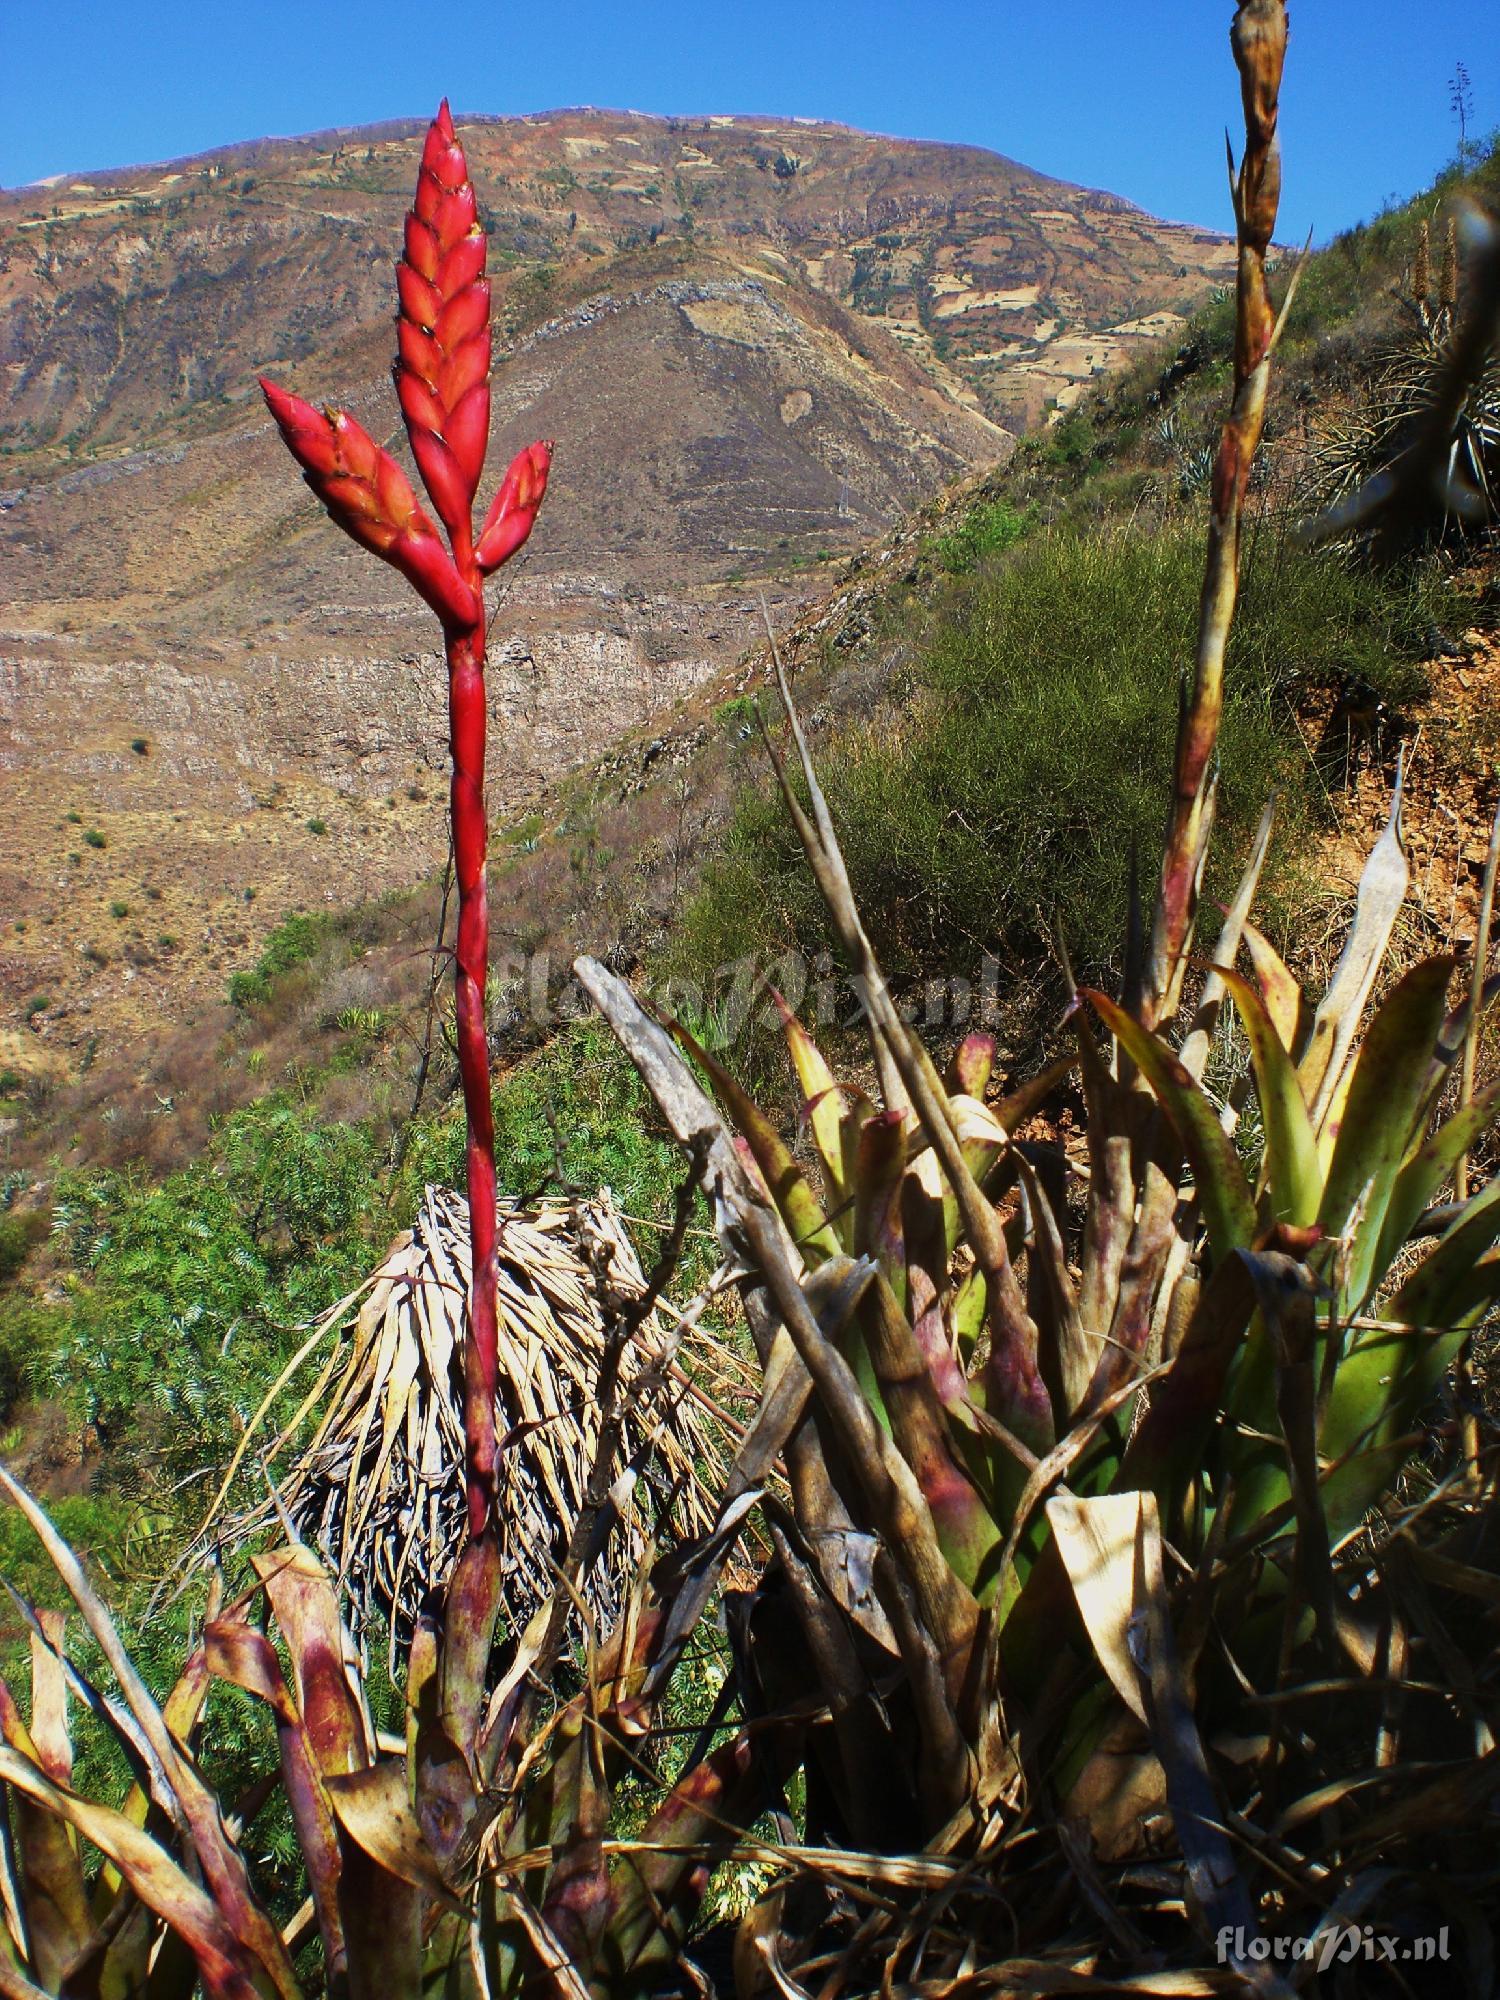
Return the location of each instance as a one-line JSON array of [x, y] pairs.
[[442, 381], [1069, 1483], [471, 1856], [1011, 1415], [467, 1860]]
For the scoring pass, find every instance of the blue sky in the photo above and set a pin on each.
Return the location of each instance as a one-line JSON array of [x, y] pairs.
[[1134, 99]]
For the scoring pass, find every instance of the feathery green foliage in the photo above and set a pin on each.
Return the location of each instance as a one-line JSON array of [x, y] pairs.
[[1008, 791], [190, 1294]]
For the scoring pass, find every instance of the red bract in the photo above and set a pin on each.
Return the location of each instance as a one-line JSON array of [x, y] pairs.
[[514, 507], [442, 381], [370, 497]]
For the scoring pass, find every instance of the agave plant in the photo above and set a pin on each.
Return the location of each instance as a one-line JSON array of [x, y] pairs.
[[1420, 455]]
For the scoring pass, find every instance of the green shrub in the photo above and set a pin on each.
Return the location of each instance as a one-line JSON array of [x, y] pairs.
[[524, 833], [317, 826], [29, 1336], [1034, 752], [293, 942], [191, 1294], [20, 1232], [986, 530], [93, 1527], [92, 837], [119, 910], [1071, 441]]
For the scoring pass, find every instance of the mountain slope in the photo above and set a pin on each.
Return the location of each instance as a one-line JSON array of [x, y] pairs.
[[758, 343], [279, 249]]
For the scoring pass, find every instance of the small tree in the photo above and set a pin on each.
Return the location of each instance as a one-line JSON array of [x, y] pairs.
[[1461, 104]]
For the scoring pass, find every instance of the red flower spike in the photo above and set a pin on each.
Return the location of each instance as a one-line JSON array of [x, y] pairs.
[[463, 318], [441, 472], [514, 508], [443, 336], [469, 425], [461, 265], [418, 350], [370, 498], [442, 378], [457, 377]]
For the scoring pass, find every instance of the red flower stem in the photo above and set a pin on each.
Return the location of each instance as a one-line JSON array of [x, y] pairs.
[[466, 727], [442, 381]]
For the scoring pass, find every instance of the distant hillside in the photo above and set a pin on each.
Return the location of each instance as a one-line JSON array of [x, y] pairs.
[[758, 344], [128, 298]]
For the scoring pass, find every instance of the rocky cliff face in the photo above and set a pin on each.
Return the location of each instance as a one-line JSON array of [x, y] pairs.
[[756, 343]]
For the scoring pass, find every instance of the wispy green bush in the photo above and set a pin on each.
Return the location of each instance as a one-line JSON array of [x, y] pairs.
[[987, 529], [1032, 755]]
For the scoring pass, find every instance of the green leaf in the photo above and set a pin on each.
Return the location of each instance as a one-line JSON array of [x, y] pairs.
[[1427, 1169], [1388, 1101], [1455, 1281], [1378, 900], [799, 1206], [1278, 989], [1228, 1211], [966, 1314], [822, 1107], [1389, 1373], [1293, 1177]]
